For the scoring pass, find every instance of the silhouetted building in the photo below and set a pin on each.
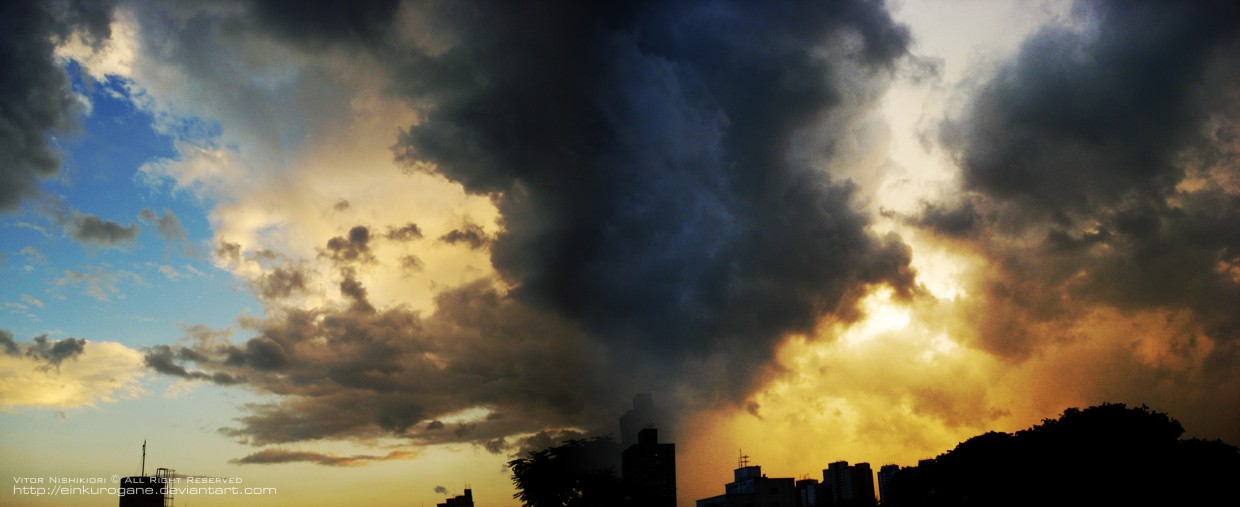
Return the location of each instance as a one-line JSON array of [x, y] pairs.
[[642, 415], [752, 489], [141, 491], [809, 493], [147, 491], [885, 474], [849, 486], [464, 500], [648, 471]]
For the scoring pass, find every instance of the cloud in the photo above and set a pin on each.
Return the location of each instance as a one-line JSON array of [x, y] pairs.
[[471, 235], [411, 263], [102, 282], [353, 248], [66, 373], [170, 272], [31, 300], [279, 455], [54, 353], [35, 99], [161, 359], [33, 255], [10, 346], [406, 232], [168, 224], [650, 188], [357, 372], [1091, 231], [1100, 165], [646, 215], [1050, 129], [95, 231], [282, 283]]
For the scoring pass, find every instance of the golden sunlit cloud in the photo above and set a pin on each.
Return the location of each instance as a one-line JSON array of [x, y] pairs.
[[103, 372]]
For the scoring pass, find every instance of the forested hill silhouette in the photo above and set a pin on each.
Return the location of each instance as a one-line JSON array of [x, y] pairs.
[[1109, 454]]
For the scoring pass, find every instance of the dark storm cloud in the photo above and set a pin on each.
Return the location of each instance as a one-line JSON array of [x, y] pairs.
[[35, 99], [1103, 165], [653, 164], [93, 230], [959, 219], [317, 23], [660, 169], [1081, 118]]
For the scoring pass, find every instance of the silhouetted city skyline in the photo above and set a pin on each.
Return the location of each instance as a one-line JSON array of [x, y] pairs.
[[1109, 444]]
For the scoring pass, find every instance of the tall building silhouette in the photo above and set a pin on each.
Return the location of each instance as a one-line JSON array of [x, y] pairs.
[[642, 415], [885, 473], [752, 489], [648, 471], [849, 486], [147, 491], [809, 493], [142, 491]]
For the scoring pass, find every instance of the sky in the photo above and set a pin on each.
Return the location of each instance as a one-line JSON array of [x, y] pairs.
[[375, 250]]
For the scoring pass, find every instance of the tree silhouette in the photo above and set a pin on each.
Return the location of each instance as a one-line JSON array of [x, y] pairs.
[[578, 473], [1104, 455]]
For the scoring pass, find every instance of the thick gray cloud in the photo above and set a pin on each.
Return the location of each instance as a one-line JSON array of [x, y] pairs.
[[51, 353], [163, 359], [357, 372], [318, 23], [645, 158], [1102, 165], [355, 247], [9, 345], [281, 283], [407, 232], [470, 235], [35, 100], [661, 172], [93, 230], [1087, 118]]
